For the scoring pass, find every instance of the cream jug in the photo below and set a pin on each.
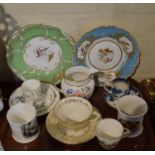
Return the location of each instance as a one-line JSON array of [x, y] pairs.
[[78, 81]]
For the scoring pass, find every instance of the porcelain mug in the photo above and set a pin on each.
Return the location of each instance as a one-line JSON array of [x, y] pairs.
[[131, 111], [78, 82], [109, 132], [117, 88], [23, 122], [73, 113]]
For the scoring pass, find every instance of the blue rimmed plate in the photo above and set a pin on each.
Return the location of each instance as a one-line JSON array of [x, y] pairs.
[[108, 49]]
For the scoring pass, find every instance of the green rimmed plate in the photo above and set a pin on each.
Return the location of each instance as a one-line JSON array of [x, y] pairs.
[[41, 52]]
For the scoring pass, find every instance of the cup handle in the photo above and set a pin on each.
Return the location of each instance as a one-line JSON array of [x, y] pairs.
[[108, 87], [126, 132]]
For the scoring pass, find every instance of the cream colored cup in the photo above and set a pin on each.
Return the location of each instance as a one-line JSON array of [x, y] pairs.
[[23, 122], [73, 112], [131, 111], [109, 132]]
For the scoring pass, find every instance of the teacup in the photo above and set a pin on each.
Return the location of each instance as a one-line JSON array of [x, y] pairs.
[[32, 91], [23, 122], [117, 88], [73, 112], [109, 132], [131, 110], [31, 88]]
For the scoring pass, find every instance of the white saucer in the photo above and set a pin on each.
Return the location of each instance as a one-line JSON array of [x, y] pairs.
[[50, 97], [89, 132], [110, 100]]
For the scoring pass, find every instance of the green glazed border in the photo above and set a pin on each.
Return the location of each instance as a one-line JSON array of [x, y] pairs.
[[15, 51]]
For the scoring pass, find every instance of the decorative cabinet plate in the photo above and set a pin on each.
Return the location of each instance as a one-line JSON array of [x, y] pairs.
[[108, 49], [40, 52]]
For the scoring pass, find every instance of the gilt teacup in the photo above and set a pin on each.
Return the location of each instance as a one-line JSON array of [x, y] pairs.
[[73, 113]]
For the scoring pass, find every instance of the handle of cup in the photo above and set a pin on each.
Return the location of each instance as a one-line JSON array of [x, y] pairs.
[[126, 132], [108, 87]]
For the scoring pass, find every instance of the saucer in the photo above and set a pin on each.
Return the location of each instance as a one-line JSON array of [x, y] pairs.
[[110, 100], [50, 97], [72, 137]]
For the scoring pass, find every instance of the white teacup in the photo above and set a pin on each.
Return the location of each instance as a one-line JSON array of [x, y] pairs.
[[73, 112], [131, 110], [31, 88], [23, 122], [109, 132]]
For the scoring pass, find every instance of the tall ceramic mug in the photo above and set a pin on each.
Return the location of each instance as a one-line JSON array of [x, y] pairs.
[[78, 82], [131, 111], [23, 122]]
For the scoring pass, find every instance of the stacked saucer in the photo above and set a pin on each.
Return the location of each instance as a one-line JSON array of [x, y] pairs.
[[41, 95]]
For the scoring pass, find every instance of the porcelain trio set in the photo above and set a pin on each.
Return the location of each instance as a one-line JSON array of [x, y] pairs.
[[104, 57]]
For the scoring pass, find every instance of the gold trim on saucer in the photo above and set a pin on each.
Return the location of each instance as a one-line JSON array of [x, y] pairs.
[[53, 127]]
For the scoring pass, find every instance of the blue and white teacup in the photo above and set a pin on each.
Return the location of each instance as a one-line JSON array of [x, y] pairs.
[[117, 88]]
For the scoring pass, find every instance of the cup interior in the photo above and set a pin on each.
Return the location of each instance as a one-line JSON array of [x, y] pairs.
[[132, 105], [109, 128], [73, 110], [31, 84], [21, 114], [121, 85]]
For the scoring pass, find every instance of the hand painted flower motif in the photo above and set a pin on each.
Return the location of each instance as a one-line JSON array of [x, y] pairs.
[[126, 44], [105, 55], [82, 50], [69, 91]]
